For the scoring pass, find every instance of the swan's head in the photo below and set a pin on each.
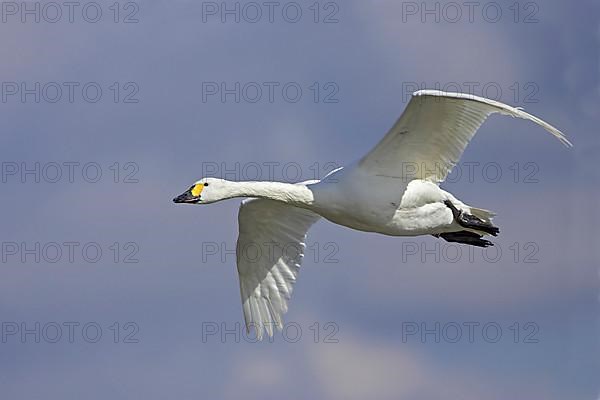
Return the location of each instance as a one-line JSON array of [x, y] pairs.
[[205, 191]]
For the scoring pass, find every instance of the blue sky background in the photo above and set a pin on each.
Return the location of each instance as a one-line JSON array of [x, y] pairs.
[[370, 56]]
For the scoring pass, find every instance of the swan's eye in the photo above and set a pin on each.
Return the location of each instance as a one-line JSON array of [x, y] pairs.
[[206, 184], [197, 189]]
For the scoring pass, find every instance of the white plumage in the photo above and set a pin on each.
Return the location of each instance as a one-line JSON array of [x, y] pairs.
[[392, 190]]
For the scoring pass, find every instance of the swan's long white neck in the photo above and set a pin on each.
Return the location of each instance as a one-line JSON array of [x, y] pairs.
[[296, 194]]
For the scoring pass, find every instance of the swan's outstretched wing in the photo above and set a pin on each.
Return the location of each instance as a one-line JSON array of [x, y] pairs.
[[269, 251], [433, 132]]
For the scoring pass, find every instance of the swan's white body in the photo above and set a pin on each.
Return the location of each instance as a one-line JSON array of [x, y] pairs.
[[383, 204], [393, 190]]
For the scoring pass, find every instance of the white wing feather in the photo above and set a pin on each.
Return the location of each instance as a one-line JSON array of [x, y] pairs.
[[269, 251], [433, 132]]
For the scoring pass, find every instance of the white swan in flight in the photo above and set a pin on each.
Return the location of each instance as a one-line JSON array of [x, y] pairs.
[[393, 190]]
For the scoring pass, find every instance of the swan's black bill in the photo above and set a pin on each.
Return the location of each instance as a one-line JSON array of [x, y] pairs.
[[186, 198]]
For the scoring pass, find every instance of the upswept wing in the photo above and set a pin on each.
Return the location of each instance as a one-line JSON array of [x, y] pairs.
[[430, 136]]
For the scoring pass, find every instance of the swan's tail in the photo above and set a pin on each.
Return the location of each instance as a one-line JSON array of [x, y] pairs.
[[482, 214]]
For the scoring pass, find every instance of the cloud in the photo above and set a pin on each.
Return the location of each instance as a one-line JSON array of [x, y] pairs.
[[358, 368]]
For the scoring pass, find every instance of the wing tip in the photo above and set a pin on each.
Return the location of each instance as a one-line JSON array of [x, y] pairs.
[[518, 112], [566, 142], [261, 317], [261, 328]]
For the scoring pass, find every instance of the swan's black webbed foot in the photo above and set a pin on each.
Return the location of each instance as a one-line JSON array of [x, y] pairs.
[[471, 221], [465, 237]]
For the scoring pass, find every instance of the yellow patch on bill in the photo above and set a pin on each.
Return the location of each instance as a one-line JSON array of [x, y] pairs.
[[197, 190]]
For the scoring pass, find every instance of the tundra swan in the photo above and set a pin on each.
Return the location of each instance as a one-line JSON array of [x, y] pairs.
[[393, 190]]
